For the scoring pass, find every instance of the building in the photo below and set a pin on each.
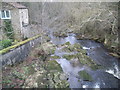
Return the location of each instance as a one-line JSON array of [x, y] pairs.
[[18, 14]]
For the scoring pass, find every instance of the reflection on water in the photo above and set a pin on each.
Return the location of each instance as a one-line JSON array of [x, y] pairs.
[[68, 68], [59, 41]]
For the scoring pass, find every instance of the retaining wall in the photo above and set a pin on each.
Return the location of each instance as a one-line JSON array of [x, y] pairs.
[[18, 54]]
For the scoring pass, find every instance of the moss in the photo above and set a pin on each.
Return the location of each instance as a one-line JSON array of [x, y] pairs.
[[82, 61], [92, 64], [67, 43], [53, 65], [48, 48], [71, 48], [55, 57], [58, 83], [65, 49], [69, 57], [82, 51], [96, 66], [79, 55], [77, 45], [88, 60], [85, 60], [18, 44], [55, 81], [52, 51], [85, 76]]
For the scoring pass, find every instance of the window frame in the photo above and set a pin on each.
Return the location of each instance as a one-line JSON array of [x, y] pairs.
[[5, 14]]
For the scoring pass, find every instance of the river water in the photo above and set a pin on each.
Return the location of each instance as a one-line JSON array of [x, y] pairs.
[[108, 77]]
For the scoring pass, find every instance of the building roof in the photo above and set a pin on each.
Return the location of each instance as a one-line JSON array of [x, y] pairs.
[[17, 5]]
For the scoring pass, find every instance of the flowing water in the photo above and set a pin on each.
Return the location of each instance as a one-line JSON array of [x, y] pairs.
[[102, 78]]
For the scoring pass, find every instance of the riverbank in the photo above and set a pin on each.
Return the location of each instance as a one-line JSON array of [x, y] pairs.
[[35, 71]]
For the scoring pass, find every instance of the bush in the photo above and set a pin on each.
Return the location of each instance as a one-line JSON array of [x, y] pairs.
[[5, 43], [8, 29]]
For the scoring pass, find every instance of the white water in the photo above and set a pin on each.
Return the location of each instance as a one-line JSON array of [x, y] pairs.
[[86, 48], [115, 71], [97, 85]]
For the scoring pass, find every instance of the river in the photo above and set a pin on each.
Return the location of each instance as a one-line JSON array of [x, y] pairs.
[[109, 77]]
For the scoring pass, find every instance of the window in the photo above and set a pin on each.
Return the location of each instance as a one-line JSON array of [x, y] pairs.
[[5, 14]]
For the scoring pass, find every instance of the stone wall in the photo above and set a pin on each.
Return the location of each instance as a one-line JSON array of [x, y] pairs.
[[18, 54]]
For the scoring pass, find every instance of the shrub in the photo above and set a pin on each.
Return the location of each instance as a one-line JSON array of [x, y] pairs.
[[5, 43], [8, 29]]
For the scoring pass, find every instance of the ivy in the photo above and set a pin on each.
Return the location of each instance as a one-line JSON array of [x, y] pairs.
[[8, 29]]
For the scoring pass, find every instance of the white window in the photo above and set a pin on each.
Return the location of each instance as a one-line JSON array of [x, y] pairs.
[[5, 14]]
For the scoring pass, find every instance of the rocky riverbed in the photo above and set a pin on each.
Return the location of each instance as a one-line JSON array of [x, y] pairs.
[[87, 63]]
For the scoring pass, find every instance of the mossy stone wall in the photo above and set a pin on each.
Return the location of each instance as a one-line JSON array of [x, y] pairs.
[[18, 54]]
